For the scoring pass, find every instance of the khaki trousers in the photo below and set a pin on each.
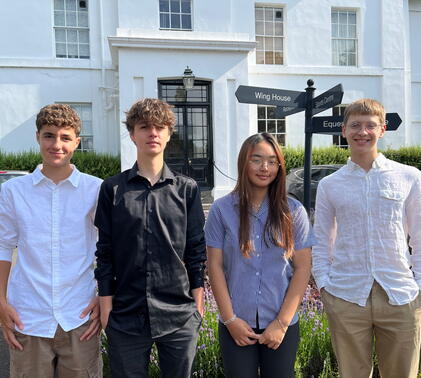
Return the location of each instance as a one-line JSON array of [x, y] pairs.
[[63, 356], [395, 331]]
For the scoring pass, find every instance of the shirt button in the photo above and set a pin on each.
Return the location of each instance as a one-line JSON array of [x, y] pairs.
[[257, 237], [150, 211], [260, 292], [257, 273], [149, 252], [258, 255]]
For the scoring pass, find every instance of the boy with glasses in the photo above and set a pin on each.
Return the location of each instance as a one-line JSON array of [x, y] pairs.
[[368, 280]]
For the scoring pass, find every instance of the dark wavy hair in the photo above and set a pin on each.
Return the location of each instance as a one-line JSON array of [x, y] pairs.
[[150, 110], [278, 228]]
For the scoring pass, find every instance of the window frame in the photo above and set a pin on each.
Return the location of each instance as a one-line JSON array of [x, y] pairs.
[[337, 40], [171, 14], [270, 37], [278, 123], [80, 30], [83, 135]]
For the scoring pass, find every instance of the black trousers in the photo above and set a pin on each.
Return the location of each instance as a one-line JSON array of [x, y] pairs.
[[130, 354], [248, 361]]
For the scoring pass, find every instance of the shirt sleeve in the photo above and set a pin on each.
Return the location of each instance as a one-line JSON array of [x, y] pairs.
[[303, 233], [8, 225], [195, 251], [413, 213], [325, 234], [104, 271], [214, 228]]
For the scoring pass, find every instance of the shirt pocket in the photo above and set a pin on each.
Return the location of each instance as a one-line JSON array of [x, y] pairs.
[[391, 205]]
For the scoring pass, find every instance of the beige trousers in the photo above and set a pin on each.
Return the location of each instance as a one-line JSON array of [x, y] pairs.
[[63, 356], [394, 330]]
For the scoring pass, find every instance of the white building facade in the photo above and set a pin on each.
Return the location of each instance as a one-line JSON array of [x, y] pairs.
[[102, 55]]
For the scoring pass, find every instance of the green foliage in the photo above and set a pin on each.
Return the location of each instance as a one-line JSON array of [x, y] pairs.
[[405, 155], [99, 165], [294, 157]]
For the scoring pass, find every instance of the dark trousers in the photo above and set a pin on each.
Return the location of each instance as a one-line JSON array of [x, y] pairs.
[[247, 361], [130, 354]]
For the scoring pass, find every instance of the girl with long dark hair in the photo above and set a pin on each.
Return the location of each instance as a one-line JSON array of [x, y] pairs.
[[259, 260]]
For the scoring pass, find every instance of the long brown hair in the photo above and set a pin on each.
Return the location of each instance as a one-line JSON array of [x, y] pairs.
[[278, 226]]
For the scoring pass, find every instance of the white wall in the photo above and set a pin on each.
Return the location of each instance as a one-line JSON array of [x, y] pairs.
[[31, 76]]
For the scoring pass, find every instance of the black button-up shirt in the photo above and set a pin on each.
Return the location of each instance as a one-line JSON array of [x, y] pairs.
[[151, 249]]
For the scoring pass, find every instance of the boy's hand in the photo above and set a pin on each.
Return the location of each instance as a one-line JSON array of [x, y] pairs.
[[8, 319], [273, 335], [95, 325]]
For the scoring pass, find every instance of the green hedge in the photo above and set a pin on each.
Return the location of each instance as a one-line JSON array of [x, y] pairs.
[[104, 166], [99, 165], [294, 157]]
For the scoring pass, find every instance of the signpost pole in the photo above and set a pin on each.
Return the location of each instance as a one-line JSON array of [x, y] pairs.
[[308, 143]]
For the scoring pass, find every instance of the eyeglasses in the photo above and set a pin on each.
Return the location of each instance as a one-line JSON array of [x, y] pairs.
[[259, 162], [370, 126]]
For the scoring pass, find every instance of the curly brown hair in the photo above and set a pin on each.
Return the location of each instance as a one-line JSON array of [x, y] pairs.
[[150, 110], [60, 115]]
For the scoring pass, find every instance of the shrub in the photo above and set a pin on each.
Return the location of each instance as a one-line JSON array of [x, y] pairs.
[[294, 157], [100, 165]]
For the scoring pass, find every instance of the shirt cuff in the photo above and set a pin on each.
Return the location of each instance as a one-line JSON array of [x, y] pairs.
[[106, 288], [6, 254], [196, 279]]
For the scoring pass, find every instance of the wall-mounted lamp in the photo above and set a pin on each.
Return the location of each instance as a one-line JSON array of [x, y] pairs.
[[188, 78]]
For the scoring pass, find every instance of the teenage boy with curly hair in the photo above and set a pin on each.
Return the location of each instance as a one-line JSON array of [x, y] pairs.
[[50, 317], [150, 254], [369, 282]]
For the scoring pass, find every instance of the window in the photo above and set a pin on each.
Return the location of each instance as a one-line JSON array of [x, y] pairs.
[[344, 38], [71, 28], [266, 122], [86, 133], [269, 35], [339, 140], [175, 14]]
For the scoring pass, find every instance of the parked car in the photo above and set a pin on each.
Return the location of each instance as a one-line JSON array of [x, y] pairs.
[[7, 175], [295, 181]]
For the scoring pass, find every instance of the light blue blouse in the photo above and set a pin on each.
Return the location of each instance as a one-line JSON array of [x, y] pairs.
[[257, 284]]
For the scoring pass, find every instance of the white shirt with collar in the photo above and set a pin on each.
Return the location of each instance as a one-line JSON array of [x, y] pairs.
[[52, 227], [361, 224]]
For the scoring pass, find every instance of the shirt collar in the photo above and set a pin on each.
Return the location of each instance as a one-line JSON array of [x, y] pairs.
[[379, 162], [38, 176], [264, 207], [166, 173]]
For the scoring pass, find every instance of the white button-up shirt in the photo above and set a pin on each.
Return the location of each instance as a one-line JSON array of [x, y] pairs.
[[52, 227], [361, 224]]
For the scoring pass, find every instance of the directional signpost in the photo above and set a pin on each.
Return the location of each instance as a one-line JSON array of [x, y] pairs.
[[328, 99], [290, 102]]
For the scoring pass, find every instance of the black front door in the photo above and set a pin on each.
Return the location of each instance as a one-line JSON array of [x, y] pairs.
[[190, 149]]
